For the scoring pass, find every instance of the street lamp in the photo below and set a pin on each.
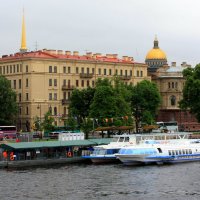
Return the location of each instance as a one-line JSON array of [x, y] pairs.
[[39, 107]]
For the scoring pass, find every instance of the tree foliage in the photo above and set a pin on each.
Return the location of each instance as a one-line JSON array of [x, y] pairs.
[[8, 105], [47, 124], [191, 91], [145, 100]]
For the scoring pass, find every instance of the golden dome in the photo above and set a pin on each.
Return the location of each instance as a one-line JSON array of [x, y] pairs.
[[156, 54]]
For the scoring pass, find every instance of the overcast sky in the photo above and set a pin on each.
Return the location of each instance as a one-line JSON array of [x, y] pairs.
[[124, 27]]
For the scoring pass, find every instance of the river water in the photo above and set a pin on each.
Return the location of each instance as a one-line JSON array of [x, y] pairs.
[[102, 182]]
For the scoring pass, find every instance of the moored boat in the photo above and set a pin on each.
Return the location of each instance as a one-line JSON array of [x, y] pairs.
[[171, 152]]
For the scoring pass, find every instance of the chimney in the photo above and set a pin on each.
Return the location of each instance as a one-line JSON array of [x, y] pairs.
[[75, 53], [89, 54], [173, 64], [60, 52], [125, 58], [68, 53]]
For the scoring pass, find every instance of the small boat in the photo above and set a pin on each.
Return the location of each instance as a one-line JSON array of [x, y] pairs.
[[106, 153], [185, 150]]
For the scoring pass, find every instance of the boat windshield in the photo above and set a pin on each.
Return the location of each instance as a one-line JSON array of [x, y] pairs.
[[99, 152], [137, 151]]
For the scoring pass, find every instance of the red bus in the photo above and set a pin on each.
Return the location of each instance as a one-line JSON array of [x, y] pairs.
[[8, 132]]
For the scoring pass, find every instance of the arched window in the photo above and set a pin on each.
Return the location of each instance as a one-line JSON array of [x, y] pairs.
[[173, 100]]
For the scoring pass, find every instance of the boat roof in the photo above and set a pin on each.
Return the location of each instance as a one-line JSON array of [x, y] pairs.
[[52, 144]]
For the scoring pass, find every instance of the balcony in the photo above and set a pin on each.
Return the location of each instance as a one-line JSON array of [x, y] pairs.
[[65, 101], [125, 77], [68, 87], [86, 75]]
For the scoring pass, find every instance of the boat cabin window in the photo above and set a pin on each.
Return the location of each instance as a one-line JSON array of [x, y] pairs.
[[176, 152], [159, 150], [170, 153], [121, 139], [183, 151], [180, 152], [186, 151], [190, 151], [173, 153], [126, 139]]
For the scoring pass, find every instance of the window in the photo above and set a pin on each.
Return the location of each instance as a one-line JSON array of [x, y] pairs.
[[69, 70], [77, 83], [141, 73], [50, 82], [110, 72], [55, 110], [26, 68], [64, 82], [55, 82], [64, 95], [50, 69], [173, 100], [4, 70], [92, 83], [99, 71], [20, 67], [77, 70], [121, 72], [14, 69], [82, 70], [27, 97], [50, 96], [92, 70], [169, 85], [55, 96], [88, 70], [104, 71], [17, 67], [137, 73], [116, 72], [126, 73], [10, 68], [14, 84], [50, 109], [20, 97], [7, 69], [55, 69], [65, 110], [176, 85], [27, 111], [131, 73], [0, 69], [20, 83], [26, 82], [82, 83], [64, 70], [69, 94], [88, 83], [172, 84]]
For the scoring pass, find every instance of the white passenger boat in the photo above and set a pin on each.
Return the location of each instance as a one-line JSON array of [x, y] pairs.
[[185, 150], [106, 153]]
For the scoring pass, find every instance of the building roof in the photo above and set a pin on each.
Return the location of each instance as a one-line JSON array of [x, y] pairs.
[[53, 54], [51, 144]]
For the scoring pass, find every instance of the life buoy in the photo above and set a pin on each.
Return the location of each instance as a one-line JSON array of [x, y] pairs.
[[12, 157], [69, 154]]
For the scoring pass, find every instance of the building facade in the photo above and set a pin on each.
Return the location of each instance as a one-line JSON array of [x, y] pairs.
[[170, 82], [44, 80]]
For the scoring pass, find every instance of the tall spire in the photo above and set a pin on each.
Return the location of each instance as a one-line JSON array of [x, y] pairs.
[[23, 38]]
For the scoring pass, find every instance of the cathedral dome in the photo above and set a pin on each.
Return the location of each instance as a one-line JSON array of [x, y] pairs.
[[156, 54], [156, 57]]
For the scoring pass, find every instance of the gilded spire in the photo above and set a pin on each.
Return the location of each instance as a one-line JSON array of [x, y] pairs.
[[23, 39]]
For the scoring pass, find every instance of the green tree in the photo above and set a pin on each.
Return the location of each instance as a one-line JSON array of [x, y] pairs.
[[191, 91], [145, 101], [80, 101], [47, 124], [8, 108], [86, 127], [110, 100]]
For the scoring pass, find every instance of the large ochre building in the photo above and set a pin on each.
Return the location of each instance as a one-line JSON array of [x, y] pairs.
[[45, 79]]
